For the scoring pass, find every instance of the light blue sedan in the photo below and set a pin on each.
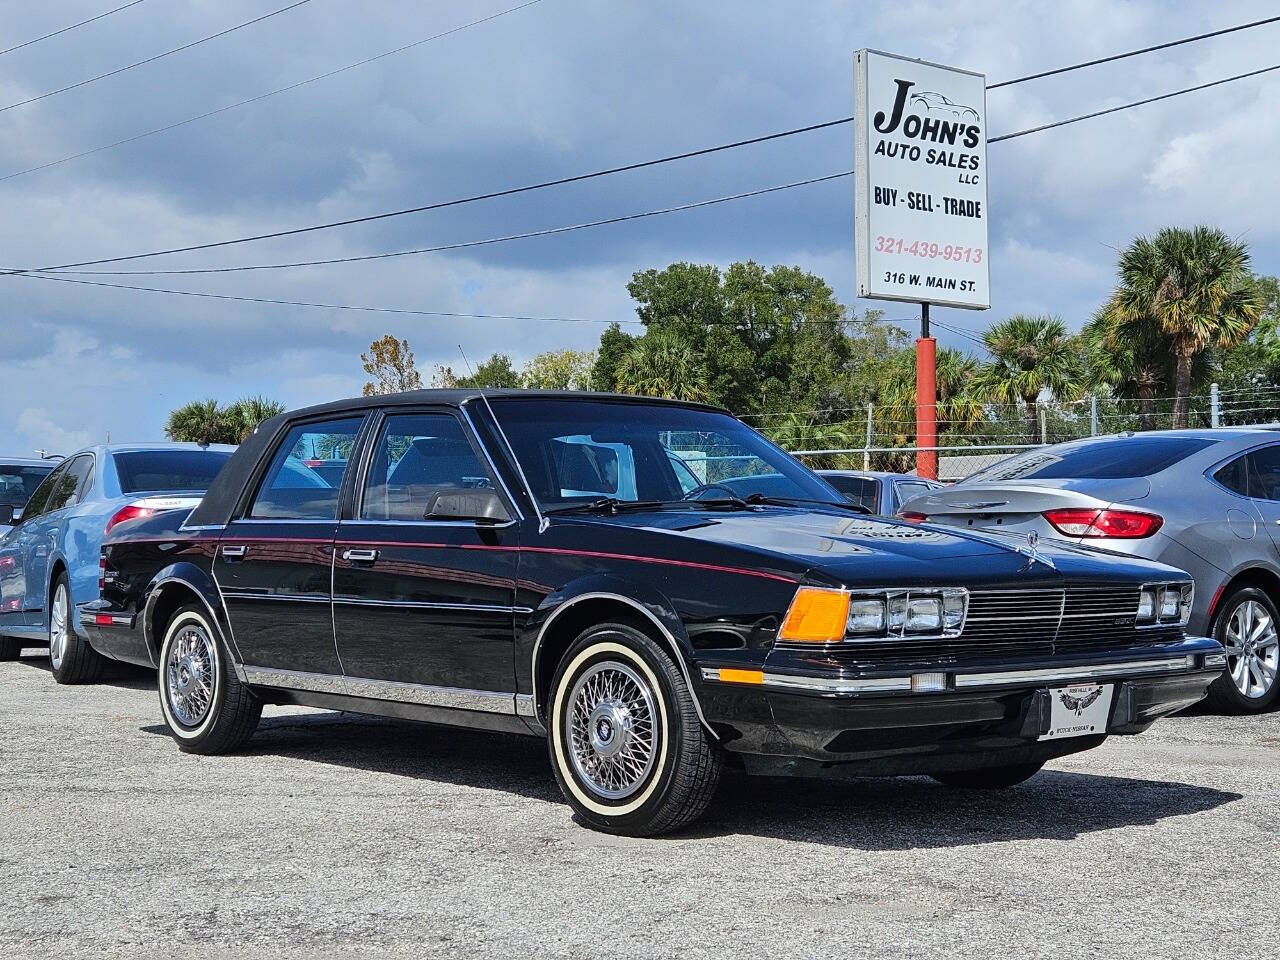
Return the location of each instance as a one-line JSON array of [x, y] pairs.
[[49, 560]]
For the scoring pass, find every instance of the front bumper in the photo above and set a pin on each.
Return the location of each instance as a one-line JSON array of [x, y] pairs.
[[945, 717]]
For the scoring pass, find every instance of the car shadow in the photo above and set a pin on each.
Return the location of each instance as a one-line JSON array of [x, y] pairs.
[[867, 814], [126, 676]]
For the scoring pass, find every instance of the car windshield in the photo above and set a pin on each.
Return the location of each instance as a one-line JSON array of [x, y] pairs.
[[1110, 458], [143, 470], [19, 481], [577, 451]]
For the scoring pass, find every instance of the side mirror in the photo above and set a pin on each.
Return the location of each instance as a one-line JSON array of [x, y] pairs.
[[8, 515], [482, 506]]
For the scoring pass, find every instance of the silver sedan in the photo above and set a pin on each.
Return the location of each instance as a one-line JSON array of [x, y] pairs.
[[1207, 501]]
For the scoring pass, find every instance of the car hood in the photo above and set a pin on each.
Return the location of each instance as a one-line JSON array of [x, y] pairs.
[[839, 546]]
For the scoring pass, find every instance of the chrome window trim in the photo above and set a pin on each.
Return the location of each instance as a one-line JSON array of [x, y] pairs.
[[431, 523], [424, 694], [502, 434], [666, 634], [475, 434]]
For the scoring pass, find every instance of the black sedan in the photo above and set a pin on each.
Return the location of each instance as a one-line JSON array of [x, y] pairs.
[[572, 566]]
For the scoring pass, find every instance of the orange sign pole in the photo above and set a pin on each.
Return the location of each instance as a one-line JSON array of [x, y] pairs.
[[926, 399]]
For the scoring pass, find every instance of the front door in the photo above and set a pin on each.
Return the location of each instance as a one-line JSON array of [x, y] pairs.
[[274, 564], [425, 569]]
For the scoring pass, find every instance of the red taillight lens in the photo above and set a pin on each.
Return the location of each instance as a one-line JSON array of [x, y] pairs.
[[1114, 524], [130, 512], [912, 517]]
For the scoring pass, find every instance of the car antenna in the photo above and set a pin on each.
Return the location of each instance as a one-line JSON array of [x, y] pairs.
[[511, 451]]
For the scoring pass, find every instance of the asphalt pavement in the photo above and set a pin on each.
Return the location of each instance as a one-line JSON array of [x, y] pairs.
[[340, 836]]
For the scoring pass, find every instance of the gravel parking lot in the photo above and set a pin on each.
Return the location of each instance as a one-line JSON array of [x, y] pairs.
[[336, 835]]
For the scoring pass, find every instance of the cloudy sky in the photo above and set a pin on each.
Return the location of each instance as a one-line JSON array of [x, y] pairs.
[[561, 87]]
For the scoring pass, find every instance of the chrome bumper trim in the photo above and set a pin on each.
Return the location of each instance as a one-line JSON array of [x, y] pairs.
[[453, 698]]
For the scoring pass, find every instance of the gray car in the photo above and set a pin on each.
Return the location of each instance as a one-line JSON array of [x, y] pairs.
[[879, 492], [1207, 501]]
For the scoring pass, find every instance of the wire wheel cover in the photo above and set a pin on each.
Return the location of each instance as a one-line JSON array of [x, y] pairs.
[[1253, 649], [190, 671], [612, 729]]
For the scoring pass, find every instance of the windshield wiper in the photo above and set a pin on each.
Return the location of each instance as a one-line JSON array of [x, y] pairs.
[[606, 505], [760, 498]]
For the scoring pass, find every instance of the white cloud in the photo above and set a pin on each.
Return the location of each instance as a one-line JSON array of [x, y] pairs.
[[36, 426]]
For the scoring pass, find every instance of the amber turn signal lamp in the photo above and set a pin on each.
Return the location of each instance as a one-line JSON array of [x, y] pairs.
[[817, 615]]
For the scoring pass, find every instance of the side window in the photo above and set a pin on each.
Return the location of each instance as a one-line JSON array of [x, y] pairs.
[[67, 486], [82, 469], [1235, 475], [419, 458], [1264, 470], [39, 502], [291, 490]]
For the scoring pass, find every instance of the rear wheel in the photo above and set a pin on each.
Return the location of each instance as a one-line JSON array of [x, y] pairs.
[[206, 707], [1247, 626], [989, 778], [70, 656], [627, 746]]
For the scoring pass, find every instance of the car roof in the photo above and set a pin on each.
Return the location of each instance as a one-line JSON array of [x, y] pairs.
[[1268, 431], [29, 462], [458, 397], [104, 448]]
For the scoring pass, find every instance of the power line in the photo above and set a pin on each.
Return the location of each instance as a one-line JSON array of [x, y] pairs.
[[550, 231], [1131, 53], [270, 93], [324, 306], [158, 56], [27, 43], [1135, 103]]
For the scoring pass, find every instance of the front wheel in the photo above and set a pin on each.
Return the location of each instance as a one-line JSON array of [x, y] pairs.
[[1246, 625], [206, 707], [989, 778], [627, 746]]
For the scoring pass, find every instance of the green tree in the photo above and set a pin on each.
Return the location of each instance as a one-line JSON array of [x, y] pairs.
[[559, 370], [795, 431], [246, 413], [1195, 287], [614, 344], [662, 364], [495, 373], [390, 363], [960, 406], [201, 421], [1030, 356]]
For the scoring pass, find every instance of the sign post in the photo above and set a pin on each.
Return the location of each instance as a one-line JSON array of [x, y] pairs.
[[921, 201]]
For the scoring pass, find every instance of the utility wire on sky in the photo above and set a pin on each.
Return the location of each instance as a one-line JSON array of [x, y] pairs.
[[158, 56], [27, 43]]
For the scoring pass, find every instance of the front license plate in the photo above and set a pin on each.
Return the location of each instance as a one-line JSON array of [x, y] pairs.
[[1079, 711]]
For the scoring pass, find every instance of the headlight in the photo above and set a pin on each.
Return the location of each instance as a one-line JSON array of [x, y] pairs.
[[924, 615], [867, 616], [919, 614], [1165, 604]]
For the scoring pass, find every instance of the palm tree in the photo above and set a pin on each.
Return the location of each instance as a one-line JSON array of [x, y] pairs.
[[1195, 287], [1030, 356], [1129, 360], [795, 431], [200, 421], [661, 364], [959, 407], [246, 413]]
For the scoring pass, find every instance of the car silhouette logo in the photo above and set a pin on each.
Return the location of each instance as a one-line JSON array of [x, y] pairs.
[[937, 103]]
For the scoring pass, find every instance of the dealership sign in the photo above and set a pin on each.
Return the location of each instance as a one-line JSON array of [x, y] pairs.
[[921, 182]]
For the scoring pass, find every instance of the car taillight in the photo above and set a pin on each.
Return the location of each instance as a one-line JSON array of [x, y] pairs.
[[129, 512], [1113, 524], [912, 517]]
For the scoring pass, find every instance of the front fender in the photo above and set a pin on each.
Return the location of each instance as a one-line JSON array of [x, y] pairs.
[[196, 580]]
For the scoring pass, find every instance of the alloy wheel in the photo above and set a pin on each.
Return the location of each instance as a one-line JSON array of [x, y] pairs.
[[190, 672], [1253, 649], [58, 619], [612, 729]]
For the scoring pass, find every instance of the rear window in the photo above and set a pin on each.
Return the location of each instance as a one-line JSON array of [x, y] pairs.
[[19, 482], [145, 470], [1111, 459]]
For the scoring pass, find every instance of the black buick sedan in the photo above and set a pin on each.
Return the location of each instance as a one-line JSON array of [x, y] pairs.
[[571, 566]]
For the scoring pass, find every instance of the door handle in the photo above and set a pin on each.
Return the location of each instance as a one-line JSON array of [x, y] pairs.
[[234, 552], [360, 556]]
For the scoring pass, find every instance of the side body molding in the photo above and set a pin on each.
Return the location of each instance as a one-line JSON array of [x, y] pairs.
[[657, 611], [198, 581]]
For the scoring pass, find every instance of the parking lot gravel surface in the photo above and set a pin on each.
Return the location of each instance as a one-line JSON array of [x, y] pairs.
[[336, 835]]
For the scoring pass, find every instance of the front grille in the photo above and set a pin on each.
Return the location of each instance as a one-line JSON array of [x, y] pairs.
[[1028, 624]]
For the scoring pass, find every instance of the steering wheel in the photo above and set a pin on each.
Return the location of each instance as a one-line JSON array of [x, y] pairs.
[[697, 492]]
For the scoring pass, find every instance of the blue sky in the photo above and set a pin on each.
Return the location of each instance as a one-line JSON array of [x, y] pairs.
[[559, 88]]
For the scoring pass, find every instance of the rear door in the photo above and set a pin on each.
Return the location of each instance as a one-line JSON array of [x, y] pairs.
[[42, 538], [274, 564], [1264, 488], [421, 594]]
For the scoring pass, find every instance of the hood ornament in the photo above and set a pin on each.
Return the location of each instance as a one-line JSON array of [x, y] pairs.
[[1032, 552]]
